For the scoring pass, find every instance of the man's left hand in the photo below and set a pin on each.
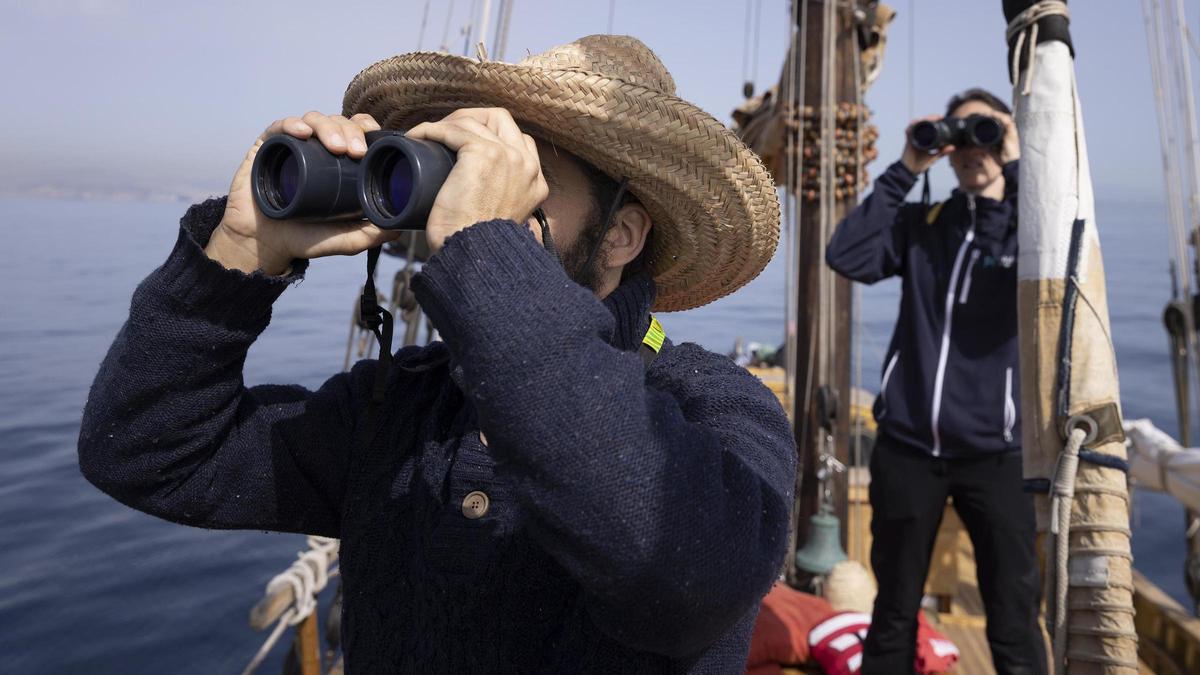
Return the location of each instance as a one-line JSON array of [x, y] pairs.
[[497, 173]]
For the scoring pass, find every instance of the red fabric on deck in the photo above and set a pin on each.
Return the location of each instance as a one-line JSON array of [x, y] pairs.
[[781, 630]]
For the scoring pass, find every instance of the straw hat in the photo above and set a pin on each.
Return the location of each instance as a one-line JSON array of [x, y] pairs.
[[610, 101]]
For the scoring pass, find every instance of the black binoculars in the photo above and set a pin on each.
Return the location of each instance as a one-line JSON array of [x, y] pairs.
[[978, 130], [394, 185]]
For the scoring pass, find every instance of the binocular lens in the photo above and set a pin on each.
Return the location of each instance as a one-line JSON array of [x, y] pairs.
[[389, 185], [987, 132], [280, 180], [925, 136], [289, 178], [399, 179]]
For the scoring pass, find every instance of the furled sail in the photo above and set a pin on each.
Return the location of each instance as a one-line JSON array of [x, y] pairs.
[[1074, 451]]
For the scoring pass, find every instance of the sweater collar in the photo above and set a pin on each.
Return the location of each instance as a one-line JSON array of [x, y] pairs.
[[630, 306]]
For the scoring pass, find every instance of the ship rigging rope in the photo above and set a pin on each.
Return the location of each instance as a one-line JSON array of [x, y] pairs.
[[307, 577], [1060, 526], [1025, 25], [856, 334], [424, 20], [1062, 497], [791, 94], [445, 45], [753, 22]]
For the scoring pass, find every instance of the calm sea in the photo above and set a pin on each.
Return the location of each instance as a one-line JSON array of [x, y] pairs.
[[88, 585]]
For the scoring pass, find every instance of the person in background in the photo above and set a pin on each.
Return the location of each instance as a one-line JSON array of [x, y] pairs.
[[948, 413]]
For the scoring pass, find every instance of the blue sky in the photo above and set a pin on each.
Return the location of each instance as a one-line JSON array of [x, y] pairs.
[[168, 95]]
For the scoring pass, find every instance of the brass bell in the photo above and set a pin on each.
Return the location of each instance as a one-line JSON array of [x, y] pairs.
[[823, 549]]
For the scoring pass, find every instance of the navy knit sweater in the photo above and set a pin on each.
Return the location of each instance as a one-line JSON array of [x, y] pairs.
[[635, 519]]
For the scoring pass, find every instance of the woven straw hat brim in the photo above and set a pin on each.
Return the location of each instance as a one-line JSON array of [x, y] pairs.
[[713, 203]]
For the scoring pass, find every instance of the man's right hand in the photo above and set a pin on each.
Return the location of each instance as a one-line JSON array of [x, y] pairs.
[[247, 240], [918, 161]]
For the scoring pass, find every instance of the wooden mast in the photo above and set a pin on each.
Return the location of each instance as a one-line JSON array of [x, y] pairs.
[[823, 299]]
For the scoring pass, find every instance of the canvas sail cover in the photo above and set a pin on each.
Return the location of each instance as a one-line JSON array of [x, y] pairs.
[[1068, 369]]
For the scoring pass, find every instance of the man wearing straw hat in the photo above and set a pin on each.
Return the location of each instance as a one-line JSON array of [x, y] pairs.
[[552, 488]]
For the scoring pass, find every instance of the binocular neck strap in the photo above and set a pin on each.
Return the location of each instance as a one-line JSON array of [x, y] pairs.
[[608, 220], [379, 321], [547, 240]]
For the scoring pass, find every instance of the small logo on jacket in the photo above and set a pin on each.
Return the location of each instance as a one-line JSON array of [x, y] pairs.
[[1005, 261]]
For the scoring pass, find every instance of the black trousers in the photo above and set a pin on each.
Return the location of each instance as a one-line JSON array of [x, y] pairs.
[[908, 494]]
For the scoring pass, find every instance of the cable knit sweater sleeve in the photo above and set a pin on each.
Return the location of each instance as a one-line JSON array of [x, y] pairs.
[[170, 429], [665, 494]]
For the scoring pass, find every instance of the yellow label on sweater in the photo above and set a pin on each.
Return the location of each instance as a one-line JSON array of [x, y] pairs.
[[655, 336]]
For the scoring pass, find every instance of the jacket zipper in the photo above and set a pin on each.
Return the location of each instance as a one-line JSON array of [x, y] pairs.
[[966, 286], [940, 378], [1010, 408]]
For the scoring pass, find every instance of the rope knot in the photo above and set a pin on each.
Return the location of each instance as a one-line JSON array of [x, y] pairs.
[[1024, 27], [307, 576]]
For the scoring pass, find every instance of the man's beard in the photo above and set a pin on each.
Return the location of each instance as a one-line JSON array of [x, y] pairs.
[[575, 257]]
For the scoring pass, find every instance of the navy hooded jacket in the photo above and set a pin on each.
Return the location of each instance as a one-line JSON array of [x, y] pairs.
[[950, 384], [535, 499]]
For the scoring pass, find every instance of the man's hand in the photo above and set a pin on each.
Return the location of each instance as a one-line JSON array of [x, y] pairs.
[[497, 173], [247, 240], [918, 161]]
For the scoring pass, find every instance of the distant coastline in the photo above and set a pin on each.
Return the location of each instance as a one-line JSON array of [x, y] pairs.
[[108, 194], [193, 195]]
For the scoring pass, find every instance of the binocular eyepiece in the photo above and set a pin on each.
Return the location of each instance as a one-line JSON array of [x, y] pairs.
[[977, 130], [394, 185]]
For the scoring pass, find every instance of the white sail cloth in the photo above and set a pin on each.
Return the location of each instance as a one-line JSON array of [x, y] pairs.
[[1068, 378], [1158, 462]]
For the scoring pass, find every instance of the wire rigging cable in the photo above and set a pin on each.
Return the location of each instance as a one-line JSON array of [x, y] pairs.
[[424, 21], [445, 44]]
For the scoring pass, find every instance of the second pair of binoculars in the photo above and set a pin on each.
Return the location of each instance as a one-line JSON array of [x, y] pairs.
[[973, 130], [394, 185]]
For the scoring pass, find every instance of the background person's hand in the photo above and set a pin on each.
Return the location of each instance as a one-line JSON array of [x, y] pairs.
[[497, 173], [1010, 148], [247, 240], [918, 161]]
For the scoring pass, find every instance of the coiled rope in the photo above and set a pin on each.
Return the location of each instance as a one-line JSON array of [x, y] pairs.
[[1025, 25], [1060, 526], [307, 577]]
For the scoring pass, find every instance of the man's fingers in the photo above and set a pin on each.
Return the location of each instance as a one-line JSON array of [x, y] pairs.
[[366, 122], [499, 120], [288, 125], [346, 237], [328, 131], [454, 134], [356, 143]]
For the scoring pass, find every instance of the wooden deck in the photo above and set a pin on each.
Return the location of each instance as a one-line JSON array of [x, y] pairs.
[[951, 579], [951, 583], [1168, 635]]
